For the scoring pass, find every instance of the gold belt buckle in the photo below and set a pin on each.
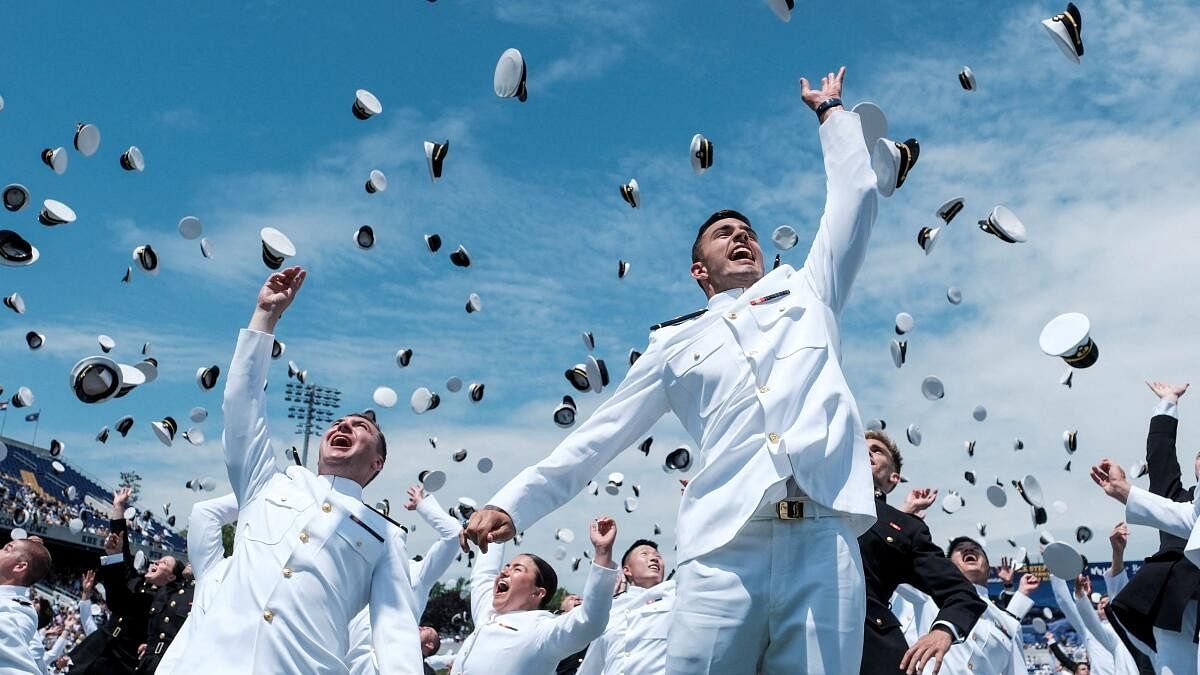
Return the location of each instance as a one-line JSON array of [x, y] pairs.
[[790, 510]]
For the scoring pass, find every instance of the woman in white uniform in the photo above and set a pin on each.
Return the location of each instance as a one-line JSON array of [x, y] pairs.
[[514, 632]]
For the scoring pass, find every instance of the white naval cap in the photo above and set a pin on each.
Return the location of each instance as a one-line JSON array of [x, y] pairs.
[[16, 196], [509, 80], [785, 237], [376, 182], [364, 237], [966, 77], [702, 154], [1004, 225], [190, 227], [1066, 28], [56, 158], [15, 251], [87, 138], [366, 104], [384, 397], [1068, 336], [435, 155], [631, 193], [133, 160], [276, 247]]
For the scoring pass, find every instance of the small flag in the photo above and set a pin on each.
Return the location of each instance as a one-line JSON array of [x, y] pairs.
[[33, 417]]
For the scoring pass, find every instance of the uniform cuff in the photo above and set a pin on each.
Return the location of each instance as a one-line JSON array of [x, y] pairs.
[[950, 627], [1166, 407], [112, 559]]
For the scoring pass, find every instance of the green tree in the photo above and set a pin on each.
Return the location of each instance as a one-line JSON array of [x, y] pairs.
[[133, 481]]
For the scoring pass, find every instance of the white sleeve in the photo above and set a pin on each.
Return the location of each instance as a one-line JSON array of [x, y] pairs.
[[439, 556], [1116, 582], [570, 632], [619, 422], [56, 649], [851, 204], [1019, 605], [86, 621], [597, 655], [393, 627], [1166, 407], [483, 578], [360, 659], [1145, 508], [204, 544], [246, 439], [924, 609], [1091, 621], [1066, 603]]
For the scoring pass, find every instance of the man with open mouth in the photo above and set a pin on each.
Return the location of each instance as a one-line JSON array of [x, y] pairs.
[[768, 525], [309, 554]]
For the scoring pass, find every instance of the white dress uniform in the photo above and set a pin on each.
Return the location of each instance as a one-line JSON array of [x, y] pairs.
[[993, 647], [1100, 658], [1120, 660], [635, 641], [308, 556], [424, 574], [206, 553], [529, 642], [18, 626], [1182, 520], [757, 382]]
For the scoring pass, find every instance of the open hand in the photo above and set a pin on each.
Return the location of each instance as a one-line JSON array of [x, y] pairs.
[[603, 532], [1083, 586], [918, 500], [1119, 537], [932, 646], [1111, 478], [280, 289], [87, 583], [1167, 392], [831, 87], [1029, 584], [1005, 571], [415, 494], [112, 543]]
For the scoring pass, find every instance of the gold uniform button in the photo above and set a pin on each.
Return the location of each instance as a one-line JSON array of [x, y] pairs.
[[764, 389], [287, 573], [878, 622], [890, 540], [268, 616], [358, 543], [753, 352], [162, 636], [695, 356], [172, 603], [781, 309], [304, 537], [732, 316], [773, 437], [166, 619], [327, 507]]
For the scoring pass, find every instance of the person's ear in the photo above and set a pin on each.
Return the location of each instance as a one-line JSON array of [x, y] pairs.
[[894, 479], [699, 272]]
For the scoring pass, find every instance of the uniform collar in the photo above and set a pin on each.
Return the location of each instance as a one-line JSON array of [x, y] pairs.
[[14, 591], [982, 591], [724, 299], [344, 486]]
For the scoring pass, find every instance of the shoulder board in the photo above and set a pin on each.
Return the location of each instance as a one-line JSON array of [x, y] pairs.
[[678, 320], [385, 517], [23, 601]]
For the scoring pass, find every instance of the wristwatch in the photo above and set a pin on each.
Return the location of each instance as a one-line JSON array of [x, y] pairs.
[[826, 105]]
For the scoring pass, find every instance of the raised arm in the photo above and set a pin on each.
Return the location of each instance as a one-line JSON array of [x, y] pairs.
[[1142, 507], [86, 621], [439, 556], [1161, 458], [840, 246], [246, 440], [1091, 620], [619, 422], [483, 579], [204, 544], [1062, 595], [1066, 661], [574, 630], [393, 626]]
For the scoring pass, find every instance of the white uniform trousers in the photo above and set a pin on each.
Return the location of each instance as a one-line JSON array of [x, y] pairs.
[[1177, 654], [783, 597]]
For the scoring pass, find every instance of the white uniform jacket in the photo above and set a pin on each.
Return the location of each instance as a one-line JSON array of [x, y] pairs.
[[635, 641], [1121, 662], [530, 642], [1177, 518], [993, 647], [1099, 657], [757, 384], [18, 626], [206, 553], [308, 556], [424, 574]]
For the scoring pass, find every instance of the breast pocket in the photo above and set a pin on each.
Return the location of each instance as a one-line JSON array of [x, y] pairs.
[[791, 326], [697, 371], [274, 516], [364, 538]]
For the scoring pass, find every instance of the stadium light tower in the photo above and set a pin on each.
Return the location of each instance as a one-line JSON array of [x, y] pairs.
[[313, 407]]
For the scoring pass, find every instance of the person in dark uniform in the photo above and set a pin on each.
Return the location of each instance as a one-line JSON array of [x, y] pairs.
[[1151, 609], [898, 549], [171, 606], [113, 649]]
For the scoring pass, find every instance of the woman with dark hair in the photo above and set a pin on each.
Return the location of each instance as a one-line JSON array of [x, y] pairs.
[[514, 632]]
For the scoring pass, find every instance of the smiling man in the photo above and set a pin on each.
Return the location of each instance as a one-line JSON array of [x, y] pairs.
[[308, 554], [635, 641], [768, 524]]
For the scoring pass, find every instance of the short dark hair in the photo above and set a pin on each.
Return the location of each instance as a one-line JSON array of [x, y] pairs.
[[545, 578], [719, 215], [897, 460], [37, 560], [369, 415], [639, 542], [961, 542]]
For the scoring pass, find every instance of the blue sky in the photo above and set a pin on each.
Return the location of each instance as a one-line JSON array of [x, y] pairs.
[[244, 118]]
